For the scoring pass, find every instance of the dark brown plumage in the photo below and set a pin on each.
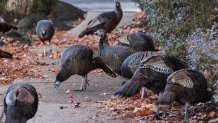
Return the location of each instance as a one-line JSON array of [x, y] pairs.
[[113, 56], [5, 27], [185, 87], [152, 74], [138, 41], [78, 59], [4, 54], [107, 21], [20, 103], [132, 62], [45, 31]]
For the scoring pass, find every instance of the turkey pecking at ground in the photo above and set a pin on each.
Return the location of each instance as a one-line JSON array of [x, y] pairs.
[[113, 56], [138, 41], [107, 21], [78, 59], [4, 54], [186, 87], [152, 74], [45, 31], [20, 103], [5, 27]]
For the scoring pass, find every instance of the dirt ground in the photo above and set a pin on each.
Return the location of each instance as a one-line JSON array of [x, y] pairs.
[[66, 105], [94, 105]]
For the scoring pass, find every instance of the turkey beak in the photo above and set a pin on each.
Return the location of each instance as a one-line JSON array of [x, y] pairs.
[[96, 33], [56, 84], [43, 32], [117, 4]]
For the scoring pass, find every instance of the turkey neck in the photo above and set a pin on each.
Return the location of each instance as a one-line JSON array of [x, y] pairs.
[[119, 13], [21, 120], [64, 74], [103, 42]]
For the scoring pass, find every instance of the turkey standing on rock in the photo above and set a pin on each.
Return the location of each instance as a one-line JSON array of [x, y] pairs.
[[113, 56], [20, 103], [4, 54], [4, 27], [78, 59], [152, 74], [186, 87], [138, 41], [45, 31], [107, 21]]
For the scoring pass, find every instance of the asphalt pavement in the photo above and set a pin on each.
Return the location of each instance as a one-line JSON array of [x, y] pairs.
[[66, 105]]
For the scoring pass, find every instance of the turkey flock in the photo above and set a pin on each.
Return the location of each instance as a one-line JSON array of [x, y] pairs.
[[135, 59]]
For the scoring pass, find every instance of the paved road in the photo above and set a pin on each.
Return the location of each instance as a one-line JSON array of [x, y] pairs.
[[127, 19], [103, 5], [78, 107], [95, 7]]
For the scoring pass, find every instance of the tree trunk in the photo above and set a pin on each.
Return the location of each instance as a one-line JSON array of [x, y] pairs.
[[21, 7], [25, 7], [26, 13]]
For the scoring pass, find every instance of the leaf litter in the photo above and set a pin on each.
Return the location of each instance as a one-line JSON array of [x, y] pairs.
[[136, 109], [26, 64]]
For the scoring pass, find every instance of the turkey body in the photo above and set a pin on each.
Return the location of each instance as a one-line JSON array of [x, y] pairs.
[[20, 103], [45, 30], [137, 41], [107, 21], [132, 62], [4, 27], [113, 56], [185, 86], [152, 74], [78, 59]]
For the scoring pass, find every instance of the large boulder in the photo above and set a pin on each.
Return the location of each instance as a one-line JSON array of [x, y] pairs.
[[60, 13]]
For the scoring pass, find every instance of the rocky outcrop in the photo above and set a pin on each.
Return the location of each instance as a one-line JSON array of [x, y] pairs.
[[19, 6], [27, 13]]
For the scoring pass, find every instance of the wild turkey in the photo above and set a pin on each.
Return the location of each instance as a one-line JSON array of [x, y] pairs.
[[152, 74], [45, 30], [132, 62], [78, 59], [106, 20], [5, 27], [4, 54], [20, 103], [186, 87], [138, 41], [113, 56]]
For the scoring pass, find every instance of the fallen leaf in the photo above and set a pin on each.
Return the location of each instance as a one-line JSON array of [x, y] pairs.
[[142, 111]]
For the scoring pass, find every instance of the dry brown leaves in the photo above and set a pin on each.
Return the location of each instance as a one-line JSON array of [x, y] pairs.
[[136, 109], [131, 107], [21, 66], [25, 62], [141, 110]]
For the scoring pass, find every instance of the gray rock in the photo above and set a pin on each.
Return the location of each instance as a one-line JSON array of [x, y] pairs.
[[61, 12]]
